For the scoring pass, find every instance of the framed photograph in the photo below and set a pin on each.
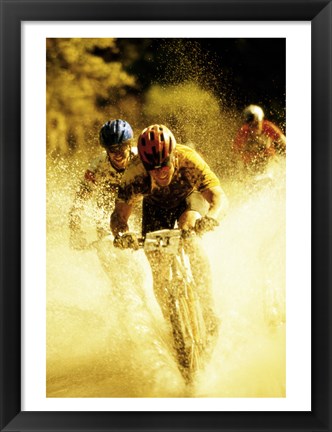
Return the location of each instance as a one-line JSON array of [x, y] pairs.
[[84, 343]]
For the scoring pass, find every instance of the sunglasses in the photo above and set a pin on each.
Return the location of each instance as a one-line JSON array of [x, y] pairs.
[[166, 165], [161, 169]]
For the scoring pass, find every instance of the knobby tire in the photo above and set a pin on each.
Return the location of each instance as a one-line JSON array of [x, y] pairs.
[[189, 331]]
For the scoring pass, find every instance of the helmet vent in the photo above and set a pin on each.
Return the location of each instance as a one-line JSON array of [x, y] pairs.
[[155, 145], [114, 132]]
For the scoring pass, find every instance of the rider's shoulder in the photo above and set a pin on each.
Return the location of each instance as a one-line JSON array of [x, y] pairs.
[[185, 148], [186, 151], [188, 155], [134, 170], [267, 124]]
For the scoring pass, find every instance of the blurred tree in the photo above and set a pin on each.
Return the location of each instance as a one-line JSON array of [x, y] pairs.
[[191, 84], [84, 80]]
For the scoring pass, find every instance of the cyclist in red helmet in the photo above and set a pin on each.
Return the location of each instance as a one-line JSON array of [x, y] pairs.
[[176, 185], [102, 178], [175, 182]]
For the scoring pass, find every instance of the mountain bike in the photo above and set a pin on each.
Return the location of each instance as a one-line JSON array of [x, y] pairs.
[[184, 309]]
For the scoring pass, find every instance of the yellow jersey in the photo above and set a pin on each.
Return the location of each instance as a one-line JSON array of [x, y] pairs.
[[191, 173]]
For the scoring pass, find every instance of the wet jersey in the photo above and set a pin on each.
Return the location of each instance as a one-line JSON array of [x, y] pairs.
[[102, 180], [191, 173], [256, 148]]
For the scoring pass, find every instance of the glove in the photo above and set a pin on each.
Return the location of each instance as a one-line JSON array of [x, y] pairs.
[[126, 241], [77, 240], [205, 224]]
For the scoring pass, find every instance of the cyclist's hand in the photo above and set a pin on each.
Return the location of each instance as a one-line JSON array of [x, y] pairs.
[[205, 224], [77, 240], [126, 241]]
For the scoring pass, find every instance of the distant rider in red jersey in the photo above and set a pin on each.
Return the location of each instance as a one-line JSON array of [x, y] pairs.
[[258, 140]]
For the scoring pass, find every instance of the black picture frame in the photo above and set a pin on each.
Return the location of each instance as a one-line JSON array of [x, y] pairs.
[[13, 12]]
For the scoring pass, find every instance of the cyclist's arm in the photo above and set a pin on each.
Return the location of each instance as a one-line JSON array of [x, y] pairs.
[[120, 216], [218, 201]]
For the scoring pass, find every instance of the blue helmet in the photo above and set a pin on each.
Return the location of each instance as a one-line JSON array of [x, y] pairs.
[[114, 132]]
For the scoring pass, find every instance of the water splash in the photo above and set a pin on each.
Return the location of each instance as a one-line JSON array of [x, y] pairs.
[[105, 333]]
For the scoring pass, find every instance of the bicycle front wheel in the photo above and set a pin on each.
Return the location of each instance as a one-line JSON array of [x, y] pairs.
[[189, 331]]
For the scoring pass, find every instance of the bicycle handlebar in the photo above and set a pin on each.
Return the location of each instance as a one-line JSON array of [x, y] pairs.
[[163, 239], [128, 240]]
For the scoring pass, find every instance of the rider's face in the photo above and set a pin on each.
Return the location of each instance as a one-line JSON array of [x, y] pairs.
[[119, 157], [163, 176]]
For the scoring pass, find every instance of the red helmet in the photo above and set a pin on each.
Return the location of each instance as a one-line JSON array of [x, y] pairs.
[[155, 146]]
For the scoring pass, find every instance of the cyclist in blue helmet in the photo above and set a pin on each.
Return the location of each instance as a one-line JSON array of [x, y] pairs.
[[115, 137], [102, 179]]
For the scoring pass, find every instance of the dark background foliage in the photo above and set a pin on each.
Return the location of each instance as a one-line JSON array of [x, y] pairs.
[[204, 82]]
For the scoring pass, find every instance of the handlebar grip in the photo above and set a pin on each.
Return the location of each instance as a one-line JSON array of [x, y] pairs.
[[205, 224], [127, 241]]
